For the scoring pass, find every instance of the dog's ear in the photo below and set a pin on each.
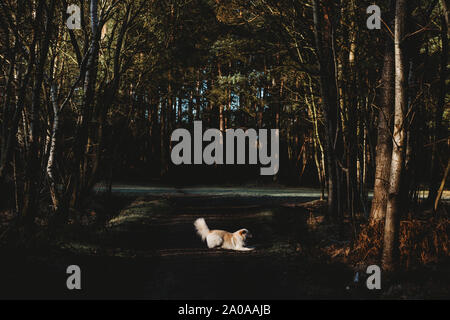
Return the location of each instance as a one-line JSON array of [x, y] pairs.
[[246, 234]]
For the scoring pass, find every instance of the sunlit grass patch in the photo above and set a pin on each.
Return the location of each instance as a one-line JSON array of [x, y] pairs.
[[80, 248], [89, 249], [141, 211]]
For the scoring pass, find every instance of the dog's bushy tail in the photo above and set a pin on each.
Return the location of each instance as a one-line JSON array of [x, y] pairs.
[[202, 228]]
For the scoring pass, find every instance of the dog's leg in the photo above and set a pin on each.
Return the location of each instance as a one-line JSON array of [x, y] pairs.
[[214, 241], [244, 249]]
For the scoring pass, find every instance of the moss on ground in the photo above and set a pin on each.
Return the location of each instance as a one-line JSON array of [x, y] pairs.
[[141, 211]]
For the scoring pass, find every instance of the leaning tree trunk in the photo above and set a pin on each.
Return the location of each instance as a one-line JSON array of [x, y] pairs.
[[51, 155], [391, 230], [441, 188]]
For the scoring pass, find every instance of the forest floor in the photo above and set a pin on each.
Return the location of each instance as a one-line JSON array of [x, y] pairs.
[[149, 250]]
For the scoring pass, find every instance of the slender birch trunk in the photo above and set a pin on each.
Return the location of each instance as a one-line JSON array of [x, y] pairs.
[[393, 210]]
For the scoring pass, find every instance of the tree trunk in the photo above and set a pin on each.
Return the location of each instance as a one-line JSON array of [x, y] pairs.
[[330, 108], [384, 142], [439, 130], [52, 150], [391, 231], [441, 188], [83, 139], [221, 107]]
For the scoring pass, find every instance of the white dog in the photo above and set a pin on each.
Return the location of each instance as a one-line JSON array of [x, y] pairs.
[[221, 238]]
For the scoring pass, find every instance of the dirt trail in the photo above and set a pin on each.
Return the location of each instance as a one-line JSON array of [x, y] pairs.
[[181, 267], [151, 251]]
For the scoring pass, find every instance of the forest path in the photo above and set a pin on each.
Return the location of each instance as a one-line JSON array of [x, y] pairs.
[[171, 261], [297, 193], [151, 251]]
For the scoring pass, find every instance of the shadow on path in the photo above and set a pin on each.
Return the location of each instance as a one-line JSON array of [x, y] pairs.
[[151, 251]]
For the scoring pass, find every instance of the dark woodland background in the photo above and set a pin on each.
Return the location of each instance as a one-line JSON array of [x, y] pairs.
[[358, 110]]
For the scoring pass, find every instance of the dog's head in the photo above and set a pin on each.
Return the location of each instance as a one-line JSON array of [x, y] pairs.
[[245, 234]]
